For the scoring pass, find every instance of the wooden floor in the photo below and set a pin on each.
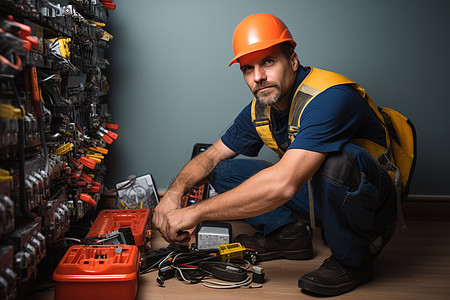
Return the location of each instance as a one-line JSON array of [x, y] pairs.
[[414, 265]]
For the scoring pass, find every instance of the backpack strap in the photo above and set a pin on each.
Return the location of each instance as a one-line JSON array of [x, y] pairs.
[[400, 159], [316, 82], [261, 120]]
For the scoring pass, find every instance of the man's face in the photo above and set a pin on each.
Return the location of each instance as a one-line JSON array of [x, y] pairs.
[[270, 76]]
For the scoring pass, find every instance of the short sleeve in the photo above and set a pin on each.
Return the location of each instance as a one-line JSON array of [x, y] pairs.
[[242, 137], [332, 119]]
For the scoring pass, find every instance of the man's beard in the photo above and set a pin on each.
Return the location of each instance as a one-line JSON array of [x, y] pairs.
[[267, 97]]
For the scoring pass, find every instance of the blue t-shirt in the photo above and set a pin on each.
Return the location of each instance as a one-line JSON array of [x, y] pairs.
[[331, 120]]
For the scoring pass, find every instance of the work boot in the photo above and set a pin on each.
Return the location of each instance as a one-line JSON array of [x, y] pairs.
[[292, 241], [334, 278]]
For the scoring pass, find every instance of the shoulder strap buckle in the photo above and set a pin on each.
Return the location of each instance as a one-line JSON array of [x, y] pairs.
[[261, 122]]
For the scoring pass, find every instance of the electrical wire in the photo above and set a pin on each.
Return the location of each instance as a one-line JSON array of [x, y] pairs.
[[63, 60], [130, 182], [166, 258], [190, 268], [56, 77], [226, 285], [43, 142], [195, 261], [191, 281], [72, 239], [159, 263], [246, 266], [149, 269], [64, 239]]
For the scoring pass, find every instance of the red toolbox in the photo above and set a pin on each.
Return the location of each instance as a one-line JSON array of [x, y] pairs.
[[109, 220], [93, 272]]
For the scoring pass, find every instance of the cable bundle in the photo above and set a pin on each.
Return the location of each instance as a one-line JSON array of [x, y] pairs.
[[197, 266]]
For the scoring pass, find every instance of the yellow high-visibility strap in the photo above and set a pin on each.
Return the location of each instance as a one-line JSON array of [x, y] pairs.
[[262, 123], [314, 83]]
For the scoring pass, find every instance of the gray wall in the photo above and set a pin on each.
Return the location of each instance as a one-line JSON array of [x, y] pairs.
[[171, 86]]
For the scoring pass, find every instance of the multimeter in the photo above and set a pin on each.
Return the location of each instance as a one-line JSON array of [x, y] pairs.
[[210, 235]]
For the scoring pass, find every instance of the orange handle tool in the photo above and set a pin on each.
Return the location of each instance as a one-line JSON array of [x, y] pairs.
[[77, 163], [108, 4], [87, 162], [112, 126], [88, 199], [24, 33], [105, 137], [95, 189], [99, 150], [86, 177], [112, 134], [109, 133], [35, 91]]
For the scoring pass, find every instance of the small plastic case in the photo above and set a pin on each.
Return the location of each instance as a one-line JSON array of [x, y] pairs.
[[109, 220], [92, 272]]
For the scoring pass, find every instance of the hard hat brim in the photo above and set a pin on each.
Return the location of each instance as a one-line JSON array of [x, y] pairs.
[[261, 46]]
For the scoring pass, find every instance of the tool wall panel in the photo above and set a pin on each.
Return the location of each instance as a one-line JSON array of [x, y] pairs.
[[54, 128]]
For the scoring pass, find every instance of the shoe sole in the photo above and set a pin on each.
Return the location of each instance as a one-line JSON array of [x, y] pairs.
[[327, 290], [294, 255]]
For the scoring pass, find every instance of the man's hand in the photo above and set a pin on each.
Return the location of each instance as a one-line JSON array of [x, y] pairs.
[[191, 175], [168, 203], [180, 224]]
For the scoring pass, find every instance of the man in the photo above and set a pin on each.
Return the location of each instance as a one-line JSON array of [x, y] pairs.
[[354, 198]]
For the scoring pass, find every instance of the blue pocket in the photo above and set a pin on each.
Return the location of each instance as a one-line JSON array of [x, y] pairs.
[[358, 208]]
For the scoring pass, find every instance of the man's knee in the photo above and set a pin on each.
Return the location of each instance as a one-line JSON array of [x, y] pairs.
[[230, 173]]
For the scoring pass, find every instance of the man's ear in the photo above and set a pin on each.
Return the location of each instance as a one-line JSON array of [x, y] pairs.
[[294, 61]]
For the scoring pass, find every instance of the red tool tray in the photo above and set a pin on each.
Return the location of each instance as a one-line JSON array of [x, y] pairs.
[[92, 272], [109, 220]]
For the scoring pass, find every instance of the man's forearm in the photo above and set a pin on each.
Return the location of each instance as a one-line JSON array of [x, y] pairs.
[[192, 174], [257, 195], [198, 169], [263, 192]]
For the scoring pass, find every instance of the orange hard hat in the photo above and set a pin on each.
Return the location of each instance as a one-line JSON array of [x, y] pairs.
[[258, 32]]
